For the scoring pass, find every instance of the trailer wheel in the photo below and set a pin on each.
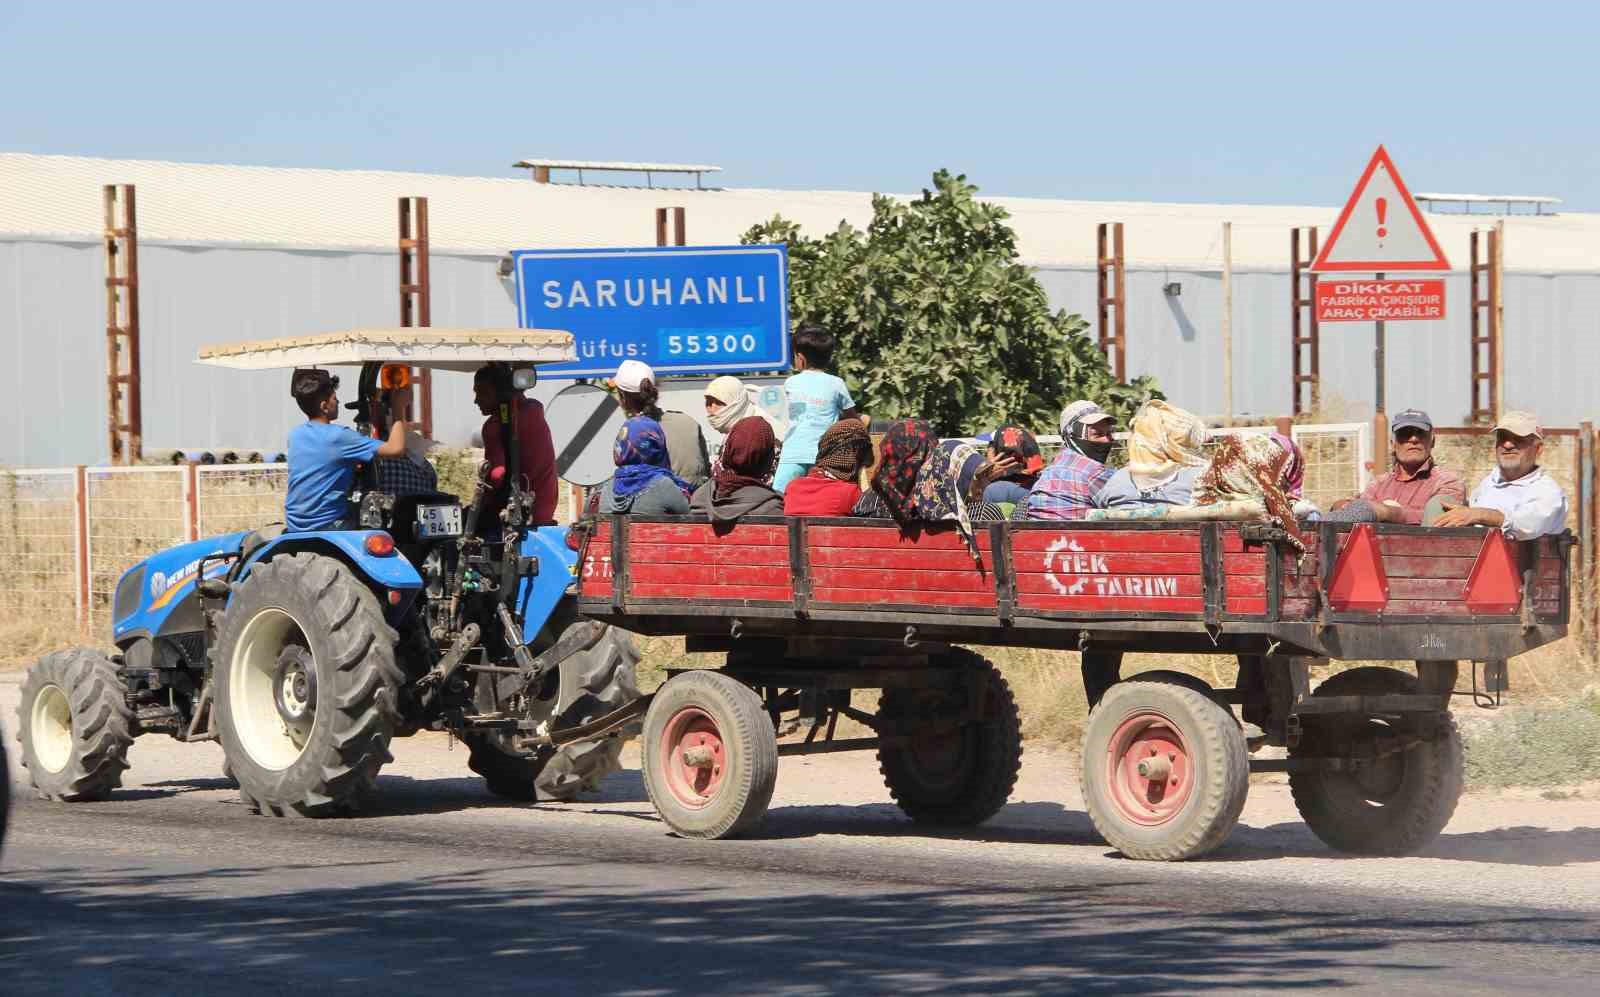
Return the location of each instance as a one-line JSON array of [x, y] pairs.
[[1392, 805], [306, 687], [710, 755], [75, 725], [961, 777], [1164, 771]]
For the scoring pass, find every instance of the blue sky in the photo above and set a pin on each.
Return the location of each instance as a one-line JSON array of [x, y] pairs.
[[1244, 102]]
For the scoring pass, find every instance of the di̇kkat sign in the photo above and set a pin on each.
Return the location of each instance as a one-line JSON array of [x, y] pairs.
[[1379, 300], [682, 310]]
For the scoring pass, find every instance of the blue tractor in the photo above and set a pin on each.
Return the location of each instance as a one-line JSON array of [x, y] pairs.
[[305, 654]]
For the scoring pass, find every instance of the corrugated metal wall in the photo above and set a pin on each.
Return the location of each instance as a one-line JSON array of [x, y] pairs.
[[53, 346]]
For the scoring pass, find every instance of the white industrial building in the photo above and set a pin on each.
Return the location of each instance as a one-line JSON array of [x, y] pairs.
[[241, 252]]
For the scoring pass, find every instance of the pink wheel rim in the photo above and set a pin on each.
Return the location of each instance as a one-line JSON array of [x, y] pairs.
[[693, 757], [1151, 797]]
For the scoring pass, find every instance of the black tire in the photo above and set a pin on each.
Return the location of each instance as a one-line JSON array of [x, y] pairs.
[[74, 725], [1393, 806], [5, 790], [309, 604], [1126, 809], [694, 709], [956, 779], [587, 686]]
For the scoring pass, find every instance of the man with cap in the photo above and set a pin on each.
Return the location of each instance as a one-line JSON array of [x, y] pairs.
[[1404, 494], [323, 456], [1517, 497], [1066, 489]]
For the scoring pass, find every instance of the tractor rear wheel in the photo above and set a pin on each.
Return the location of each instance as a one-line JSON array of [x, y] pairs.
[[306, 687], [75, 725]]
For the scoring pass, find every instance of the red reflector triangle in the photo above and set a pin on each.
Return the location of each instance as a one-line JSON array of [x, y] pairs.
[[1495, 585], [1358, 583]]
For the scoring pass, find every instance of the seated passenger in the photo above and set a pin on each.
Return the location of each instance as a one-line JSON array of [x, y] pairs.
[[1254, 469], [1164, 460], [639, 395], [1413, 483], [922, 480], [1012, 490], [741, 485], [833, 485], [410, 473], [729, 400], [1517, 497], [644, 483], [1066, 489], [323, 456], [492, 387]]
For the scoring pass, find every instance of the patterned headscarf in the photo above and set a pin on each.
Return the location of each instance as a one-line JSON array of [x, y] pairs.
[[1017, 442], [1254, 467], [1163, 439], [939, 497], [748, 455], [845, 448], [640, 454], [1294, 476], [905, 447]]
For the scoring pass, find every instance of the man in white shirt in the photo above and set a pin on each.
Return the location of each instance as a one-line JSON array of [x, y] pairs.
[[1517, 497]]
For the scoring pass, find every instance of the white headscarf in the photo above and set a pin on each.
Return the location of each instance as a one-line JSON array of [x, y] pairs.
[[738, 402]]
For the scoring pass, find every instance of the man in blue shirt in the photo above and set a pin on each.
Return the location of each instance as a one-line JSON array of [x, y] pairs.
[[323, 456]]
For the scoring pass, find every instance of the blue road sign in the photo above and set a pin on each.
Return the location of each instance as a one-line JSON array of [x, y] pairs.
[[682, 310]]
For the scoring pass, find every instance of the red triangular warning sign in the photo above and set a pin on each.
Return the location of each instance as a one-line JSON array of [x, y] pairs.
[[1380, 228], [1358, 582], [1495, 584]]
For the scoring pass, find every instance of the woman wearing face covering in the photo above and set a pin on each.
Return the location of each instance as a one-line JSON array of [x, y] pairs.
[[832, 486], [1066, 489], [644, 482], [741, 485], [1164, 460], [728, 401]]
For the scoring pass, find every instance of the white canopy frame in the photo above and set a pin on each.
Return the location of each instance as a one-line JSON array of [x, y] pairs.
[[435, 349]]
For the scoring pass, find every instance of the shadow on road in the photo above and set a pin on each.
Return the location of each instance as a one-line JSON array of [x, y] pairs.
[[531, 928]]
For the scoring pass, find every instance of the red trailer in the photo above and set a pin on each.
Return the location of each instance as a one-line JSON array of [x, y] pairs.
[[809, 610]]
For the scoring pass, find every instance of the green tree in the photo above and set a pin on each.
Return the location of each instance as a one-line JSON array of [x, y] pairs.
[[937, 319]]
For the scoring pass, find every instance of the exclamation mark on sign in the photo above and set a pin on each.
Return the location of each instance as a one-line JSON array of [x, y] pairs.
[[1382, 204]]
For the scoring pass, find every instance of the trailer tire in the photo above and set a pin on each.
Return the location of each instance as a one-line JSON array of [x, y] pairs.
[[727, 788], [960, 779], [1388, 807], [1203, 779], [75, 726], [305, 748]]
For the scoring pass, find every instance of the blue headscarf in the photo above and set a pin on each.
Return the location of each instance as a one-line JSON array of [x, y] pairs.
[[640, 454]]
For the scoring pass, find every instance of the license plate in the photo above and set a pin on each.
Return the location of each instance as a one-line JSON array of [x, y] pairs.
[[438, 521]]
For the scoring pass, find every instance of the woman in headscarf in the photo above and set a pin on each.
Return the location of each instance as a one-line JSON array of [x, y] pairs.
[[1256, 472], [922, 480], [729, 400], [833, 485], [1008, 492], [644, 482], [1164, 460], [741, 484]]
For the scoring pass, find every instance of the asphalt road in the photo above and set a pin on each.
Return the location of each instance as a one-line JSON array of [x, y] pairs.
[[174, 886]]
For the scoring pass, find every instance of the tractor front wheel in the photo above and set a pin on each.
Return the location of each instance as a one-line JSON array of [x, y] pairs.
[[75, 725]]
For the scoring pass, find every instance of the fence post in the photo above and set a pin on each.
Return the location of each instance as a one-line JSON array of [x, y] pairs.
[[1585, 580], [191, 504], [80, 545]]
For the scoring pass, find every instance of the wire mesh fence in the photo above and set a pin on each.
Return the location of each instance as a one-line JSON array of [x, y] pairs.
[[133, 512], [1337, 458], [239, 497], [39, 544]]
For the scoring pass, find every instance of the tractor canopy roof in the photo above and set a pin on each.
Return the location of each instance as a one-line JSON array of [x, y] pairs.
[[436, 349]]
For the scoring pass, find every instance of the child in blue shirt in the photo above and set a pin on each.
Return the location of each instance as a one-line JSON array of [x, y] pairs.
[[817, 400], [323, 457]]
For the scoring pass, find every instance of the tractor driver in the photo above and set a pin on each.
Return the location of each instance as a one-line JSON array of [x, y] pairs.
[[492, 387], [323, 456]]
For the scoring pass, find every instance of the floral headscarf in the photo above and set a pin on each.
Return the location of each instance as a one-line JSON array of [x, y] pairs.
[[1294, 476], [640, 454], [748, 455], [905, 447], [1254, 467], [939, 495]]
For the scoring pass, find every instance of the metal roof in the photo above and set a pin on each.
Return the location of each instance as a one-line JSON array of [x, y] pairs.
[[59, 198], [586, 164]]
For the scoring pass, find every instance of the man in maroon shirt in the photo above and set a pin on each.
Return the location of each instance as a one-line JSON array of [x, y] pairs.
[[536, 452], [1402, 495]]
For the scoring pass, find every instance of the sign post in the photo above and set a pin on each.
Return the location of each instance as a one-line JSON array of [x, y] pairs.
[[682, 310], [1380, 229]]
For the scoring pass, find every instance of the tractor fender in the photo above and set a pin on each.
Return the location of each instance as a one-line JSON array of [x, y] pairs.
[[558, 567], [386, 573]]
